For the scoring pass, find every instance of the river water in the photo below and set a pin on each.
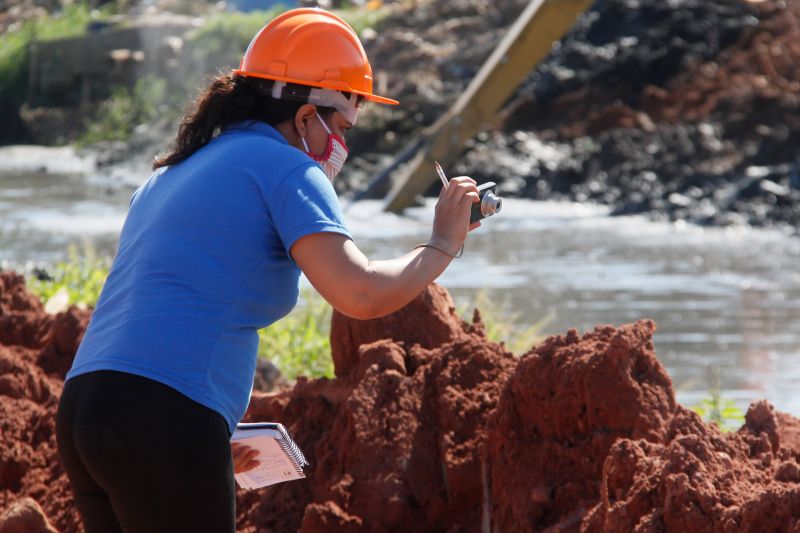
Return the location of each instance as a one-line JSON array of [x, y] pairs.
[[726, 301]]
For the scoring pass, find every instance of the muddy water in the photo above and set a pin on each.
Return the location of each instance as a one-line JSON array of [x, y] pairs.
[[727, 301], [42, 214]]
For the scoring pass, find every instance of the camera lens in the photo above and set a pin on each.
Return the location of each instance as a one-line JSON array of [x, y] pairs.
[[491, 204]]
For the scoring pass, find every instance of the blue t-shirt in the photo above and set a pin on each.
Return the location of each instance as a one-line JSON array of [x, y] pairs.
[[203, 263]]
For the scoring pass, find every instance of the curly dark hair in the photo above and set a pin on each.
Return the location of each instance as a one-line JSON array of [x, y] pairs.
[[227, 99]]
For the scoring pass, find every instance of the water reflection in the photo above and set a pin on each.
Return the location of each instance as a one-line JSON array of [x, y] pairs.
[[41, 214]]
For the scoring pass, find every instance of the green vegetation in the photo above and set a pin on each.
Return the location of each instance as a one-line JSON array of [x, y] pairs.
[[720, 411], [149, 100], [299, 344], [220, 42], [360, 19], [216, 46], [504, 326], [14, 44], [81, 278]]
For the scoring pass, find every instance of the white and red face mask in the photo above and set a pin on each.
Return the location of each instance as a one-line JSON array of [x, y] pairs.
[[332, 160]]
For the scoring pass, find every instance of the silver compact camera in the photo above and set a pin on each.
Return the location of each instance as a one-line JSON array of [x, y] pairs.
[[489, 205]]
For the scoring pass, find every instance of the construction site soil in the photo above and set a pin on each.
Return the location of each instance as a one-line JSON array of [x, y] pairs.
[[429, 426]]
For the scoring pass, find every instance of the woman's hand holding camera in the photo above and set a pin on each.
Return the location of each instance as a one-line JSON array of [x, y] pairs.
[[451, 220]]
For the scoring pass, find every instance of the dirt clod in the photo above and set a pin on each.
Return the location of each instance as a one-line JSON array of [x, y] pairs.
[[25, 516]]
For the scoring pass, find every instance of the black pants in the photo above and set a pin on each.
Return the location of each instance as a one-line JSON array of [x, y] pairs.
[[142, 457]]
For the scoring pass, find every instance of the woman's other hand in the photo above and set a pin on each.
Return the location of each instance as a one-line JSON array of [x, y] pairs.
[[244, 458], [451, 219]]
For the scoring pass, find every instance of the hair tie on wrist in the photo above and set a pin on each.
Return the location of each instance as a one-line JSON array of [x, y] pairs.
[[445, 252]]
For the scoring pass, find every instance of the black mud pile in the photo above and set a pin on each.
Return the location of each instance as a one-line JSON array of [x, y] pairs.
[[710, 141], [684, 110]]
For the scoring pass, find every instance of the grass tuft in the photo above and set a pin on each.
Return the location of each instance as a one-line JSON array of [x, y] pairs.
[[80, 278], [505, 326], [299, 344]]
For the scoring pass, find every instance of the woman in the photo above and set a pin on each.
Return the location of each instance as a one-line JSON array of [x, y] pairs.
[[211, 251]]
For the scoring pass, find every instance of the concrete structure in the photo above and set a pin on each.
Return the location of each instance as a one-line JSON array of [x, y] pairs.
[[74, 71]]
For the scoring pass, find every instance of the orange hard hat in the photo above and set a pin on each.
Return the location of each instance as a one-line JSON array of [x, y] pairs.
[[313, 47]]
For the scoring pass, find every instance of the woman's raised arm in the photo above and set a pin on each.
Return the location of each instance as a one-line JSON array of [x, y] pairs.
[[365, 289]]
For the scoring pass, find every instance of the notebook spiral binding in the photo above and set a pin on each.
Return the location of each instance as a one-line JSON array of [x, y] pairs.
[[290, 448]]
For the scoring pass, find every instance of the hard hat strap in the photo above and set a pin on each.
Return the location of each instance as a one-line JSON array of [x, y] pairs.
[[347, 106], [277, 89], [337, 100]]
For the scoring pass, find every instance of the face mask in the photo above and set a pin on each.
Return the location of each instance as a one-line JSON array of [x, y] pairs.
[[335, 154]]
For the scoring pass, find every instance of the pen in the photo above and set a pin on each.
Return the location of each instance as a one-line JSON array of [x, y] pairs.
[[441, 173]]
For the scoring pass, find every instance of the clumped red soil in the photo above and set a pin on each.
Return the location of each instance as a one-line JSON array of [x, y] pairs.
[[439, 429], [36, 349], [595, 417], [566, 404], [393, 441], [698, 479]]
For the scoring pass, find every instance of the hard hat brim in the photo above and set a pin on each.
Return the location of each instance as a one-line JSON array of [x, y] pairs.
[[322, 85], [377, 99]]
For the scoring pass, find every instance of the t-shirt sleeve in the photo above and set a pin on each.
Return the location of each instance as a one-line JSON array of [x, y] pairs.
[[303, 203]]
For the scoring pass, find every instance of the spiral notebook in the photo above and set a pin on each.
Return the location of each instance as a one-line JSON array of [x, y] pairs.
[[280, 458]]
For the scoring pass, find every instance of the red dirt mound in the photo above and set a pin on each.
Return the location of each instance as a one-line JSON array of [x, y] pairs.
[[394, 443], [566, 404], [36, 349], [436, 428], [601, 408], [429, 321], [699, 479]]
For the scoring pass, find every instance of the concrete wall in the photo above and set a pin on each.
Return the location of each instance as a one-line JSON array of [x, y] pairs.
[[75, 71]]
